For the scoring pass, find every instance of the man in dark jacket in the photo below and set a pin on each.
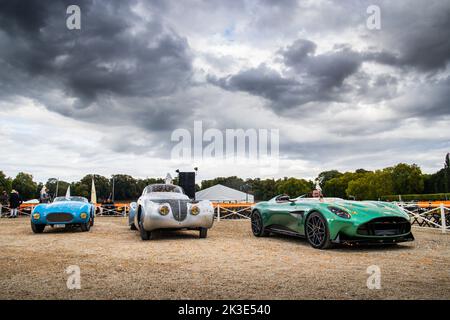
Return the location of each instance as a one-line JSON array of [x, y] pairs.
[[3, 202], [14, 203]]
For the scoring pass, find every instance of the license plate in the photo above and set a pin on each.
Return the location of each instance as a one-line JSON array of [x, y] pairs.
[[59, 225]]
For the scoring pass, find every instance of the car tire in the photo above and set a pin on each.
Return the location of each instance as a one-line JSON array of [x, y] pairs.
[[92, 221], [145, 235], [37, 228], [133, 226], [317, 232], [203, 233], [257, 225], [85, 227]]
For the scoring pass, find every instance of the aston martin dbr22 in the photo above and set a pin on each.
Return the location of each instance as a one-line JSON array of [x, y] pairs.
[[325, 221]]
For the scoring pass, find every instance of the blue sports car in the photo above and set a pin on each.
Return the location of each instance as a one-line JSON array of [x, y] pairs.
[[64, 211]]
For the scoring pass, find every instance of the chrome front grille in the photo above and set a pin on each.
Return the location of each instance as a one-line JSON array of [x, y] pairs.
[[179, 208], [59, 217]]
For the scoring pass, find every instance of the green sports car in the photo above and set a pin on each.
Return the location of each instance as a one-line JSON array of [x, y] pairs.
[[326, 221]]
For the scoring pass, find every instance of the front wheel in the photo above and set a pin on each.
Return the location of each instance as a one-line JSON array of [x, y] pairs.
[[133, 227], [203, 233], [86, 226], [37, 228], [145, 235], [257, 225], [317, 232]]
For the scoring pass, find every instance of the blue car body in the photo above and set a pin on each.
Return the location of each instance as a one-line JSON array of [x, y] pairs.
[[71, 211]]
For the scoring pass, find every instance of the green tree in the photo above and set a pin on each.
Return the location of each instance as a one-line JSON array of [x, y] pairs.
[[102, 186], [125, 187], [231, 182], [371, 185], [263, 189], [294, 187], [407, 179], [53, 183], [328, 175], [25, 185], [5, 183]]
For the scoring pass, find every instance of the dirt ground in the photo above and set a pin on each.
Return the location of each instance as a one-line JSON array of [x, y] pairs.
[[230, 264]]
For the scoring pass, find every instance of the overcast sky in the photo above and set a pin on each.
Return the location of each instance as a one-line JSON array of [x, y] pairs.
[[105, 99]]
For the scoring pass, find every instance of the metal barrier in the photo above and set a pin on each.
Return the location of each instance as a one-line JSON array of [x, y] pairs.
[[20, 211], [232, 211], [432, 217], [118, 211]]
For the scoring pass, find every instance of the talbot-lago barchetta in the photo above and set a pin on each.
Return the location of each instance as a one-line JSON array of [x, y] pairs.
[[165, 206], [327, 221], [65, 212]]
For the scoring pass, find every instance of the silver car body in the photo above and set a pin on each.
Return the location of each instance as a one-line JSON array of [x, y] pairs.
[[146, 210]]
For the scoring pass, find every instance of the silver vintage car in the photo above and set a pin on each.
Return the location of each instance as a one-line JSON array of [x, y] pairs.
[[165, 206]]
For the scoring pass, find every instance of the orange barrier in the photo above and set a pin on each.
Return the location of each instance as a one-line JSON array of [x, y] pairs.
[[433, 204], [233, 205]]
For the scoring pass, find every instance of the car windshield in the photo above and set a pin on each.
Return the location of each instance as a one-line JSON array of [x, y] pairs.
[[79, 199], [163, 188]]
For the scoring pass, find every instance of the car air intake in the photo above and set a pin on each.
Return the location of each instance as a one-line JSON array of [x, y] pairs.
[[386, 226], [179, 208], [59, 217]]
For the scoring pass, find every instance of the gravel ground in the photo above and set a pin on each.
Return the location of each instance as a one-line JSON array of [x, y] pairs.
[[229, 264]]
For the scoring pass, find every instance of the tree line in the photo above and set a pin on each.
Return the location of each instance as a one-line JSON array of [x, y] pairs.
[[361, 184]]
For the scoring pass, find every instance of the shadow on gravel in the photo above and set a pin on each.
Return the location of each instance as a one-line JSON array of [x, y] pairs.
[[345, 247]]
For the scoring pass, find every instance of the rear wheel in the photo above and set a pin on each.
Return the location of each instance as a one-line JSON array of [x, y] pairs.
[[257, 225], [145, 235], [317, 232], [203, 233], [37, 228]]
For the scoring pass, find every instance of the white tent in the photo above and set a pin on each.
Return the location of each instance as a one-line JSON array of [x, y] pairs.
[[220, 193]]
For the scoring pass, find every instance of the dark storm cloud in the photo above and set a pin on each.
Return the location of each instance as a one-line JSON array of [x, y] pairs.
[[115, 55], [419, 32], [307, 77]]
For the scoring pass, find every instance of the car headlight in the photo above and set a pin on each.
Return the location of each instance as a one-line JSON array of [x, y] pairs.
[[36, 216], [340, 212], [83, 215], [164, 210], [195, 210]]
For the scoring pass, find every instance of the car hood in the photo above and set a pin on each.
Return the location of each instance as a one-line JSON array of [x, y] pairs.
[[165, 196], [63, 206], [366, 210]]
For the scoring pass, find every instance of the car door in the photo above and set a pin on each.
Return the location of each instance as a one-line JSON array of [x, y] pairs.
[[284, 215]]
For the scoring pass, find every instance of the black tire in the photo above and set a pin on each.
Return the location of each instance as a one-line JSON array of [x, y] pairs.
[[257, 225], [145, 235], [203, 233], [133, 226], [317, 232], [85, 227], [37, 228], [92, 221]]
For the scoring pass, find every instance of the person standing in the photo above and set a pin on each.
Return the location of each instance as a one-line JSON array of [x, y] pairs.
[[14, 203], [3, 202]]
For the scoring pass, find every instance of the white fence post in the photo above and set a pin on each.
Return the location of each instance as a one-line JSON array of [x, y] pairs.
[[444, 226]]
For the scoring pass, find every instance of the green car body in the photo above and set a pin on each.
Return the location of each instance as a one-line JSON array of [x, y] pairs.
[[324, 221]]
